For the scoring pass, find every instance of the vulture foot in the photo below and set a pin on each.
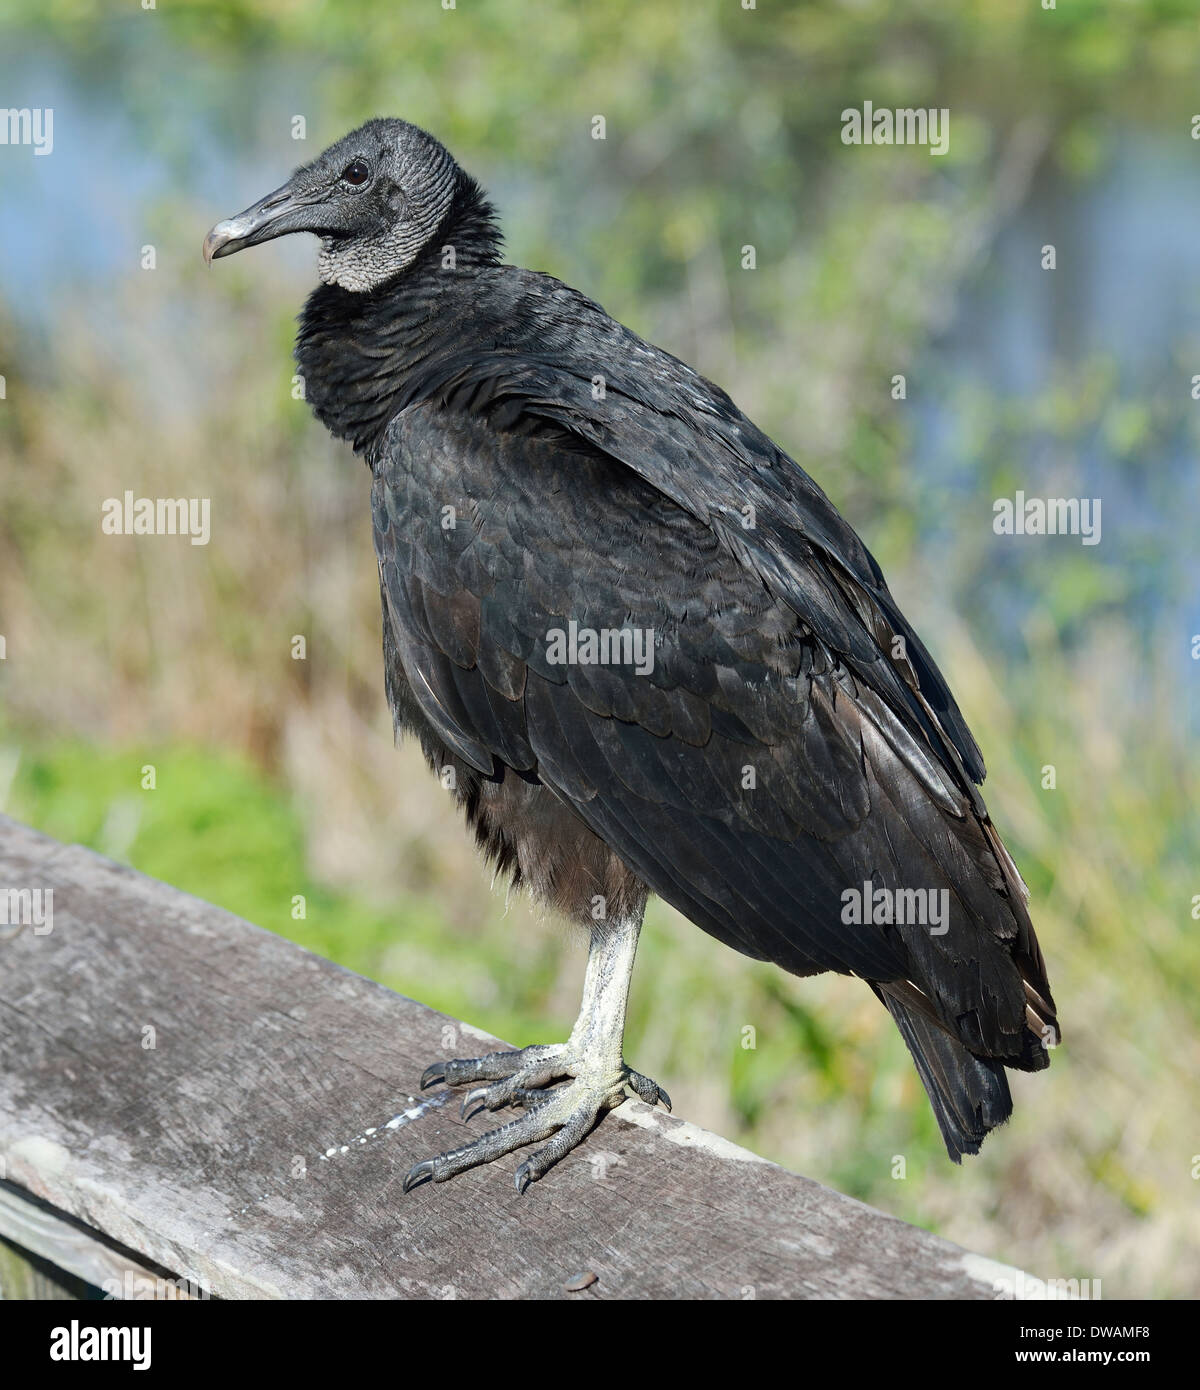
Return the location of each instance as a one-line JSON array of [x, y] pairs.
[[561, 1114]]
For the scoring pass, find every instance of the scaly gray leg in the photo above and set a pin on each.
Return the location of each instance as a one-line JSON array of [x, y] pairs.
[[591, 1059]]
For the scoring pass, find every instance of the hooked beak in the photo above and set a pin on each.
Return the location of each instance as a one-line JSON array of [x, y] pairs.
[[275, 215]]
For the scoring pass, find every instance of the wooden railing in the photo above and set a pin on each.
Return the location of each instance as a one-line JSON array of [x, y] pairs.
[[191, 1106]]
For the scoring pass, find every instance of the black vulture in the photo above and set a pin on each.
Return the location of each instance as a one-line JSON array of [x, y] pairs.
[[646, 652]]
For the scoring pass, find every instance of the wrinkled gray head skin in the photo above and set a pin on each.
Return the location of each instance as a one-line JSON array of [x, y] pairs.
[[374, 198]]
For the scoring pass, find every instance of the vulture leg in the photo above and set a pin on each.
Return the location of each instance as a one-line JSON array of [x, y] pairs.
[[562, 1114]]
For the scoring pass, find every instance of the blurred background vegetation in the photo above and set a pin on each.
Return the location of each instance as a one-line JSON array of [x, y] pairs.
[[1069, 126]]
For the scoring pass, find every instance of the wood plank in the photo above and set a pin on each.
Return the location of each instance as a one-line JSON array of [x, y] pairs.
[[79, 1253], [24, 1277], [241, 1112]]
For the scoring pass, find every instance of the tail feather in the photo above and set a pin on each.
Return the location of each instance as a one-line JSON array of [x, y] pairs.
[[969, 1094]]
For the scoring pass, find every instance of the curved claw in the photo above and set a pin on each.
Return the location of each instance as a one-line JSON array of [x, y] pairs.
[[469, 1099], [646, 1090], [419, 1173], [559, 1116]]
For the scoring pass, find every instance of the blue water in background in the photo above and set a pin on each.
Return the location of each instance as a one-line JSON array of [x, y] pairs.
[[1127, 286], [72, 223]]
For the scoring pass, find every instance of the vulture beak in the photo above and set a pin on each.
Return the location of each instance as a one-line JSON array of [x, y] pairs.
[[275, 215]]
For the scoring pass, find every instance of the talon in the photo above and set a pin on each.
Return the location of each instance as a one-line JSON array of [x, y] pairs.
[[478, 1094], [556, 1116], [645, 1089], [419, 1173]]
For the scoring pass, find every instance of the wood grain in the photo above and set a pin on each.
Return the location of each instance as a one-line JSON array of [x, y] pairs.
[[241, 1113]]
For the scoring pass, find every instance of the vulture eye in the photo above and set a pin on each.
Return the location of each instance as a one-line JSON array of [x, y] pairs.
[[356, 172]]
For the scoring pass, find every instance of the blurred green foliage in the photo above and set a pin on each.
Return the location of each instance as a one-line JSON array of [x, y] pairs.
[[215, 826], [276, 778]]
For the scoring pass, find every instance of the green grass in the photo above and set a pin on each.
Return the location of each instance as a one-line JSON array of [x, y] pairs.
[[217, 827], [276, 778], [808, 1072]]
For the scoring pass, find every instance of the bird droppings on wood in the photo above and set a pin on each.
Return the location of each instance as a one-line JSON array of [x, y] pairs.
[[398, 1121]]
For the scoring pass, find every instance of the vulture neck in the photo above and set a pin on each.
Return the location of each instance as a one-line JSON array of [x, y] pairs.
[[361, 355]]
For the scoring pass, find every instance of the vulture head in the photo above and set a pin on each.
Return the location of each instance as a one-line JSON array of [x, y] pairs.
[[376, 199]]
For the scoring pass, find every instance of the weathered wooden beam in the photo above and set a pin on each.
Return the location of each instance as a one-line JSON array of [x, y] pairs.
[[241, 1113], [80, 1255], [25, 1276]]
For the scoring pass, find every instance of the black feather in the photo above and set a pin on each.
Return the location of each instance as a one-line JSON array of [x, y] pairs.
[[536, 463]]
